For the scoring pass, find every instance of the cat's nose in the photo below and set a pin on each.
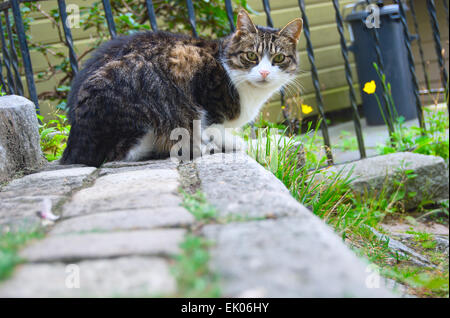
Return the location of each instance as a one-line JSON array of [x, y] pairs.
[[264, 73]]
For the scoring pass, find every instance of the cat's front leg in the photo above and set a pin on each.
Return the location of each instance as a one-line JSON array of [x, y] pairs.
[[217, 137]]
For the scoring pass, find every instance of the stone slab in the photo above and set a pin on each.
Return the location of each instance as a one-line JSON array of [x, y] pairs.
[[237, 184], [23, 197], [125, 191], [121, 277], [159, 164], [21, 212], [47, 183], [19, 137], [121, 166], [126, 220], [288, 257], [73, 247], [371, 174]]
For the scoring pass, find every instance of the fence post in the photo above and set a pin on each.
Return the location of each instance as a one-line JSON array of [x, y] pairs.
[[191, 13], [437, 44], [151, 15], [68, 36], [380, 63], [419, 43], [412, 68], [109, 18], [15, 59], [3, 88], [7, 58], [315, 79], [25, 53], [229, 9], [348, 76]]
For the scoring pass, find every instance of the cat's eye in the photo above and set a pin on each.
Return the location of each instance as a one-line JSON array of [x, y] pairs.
[[279, 58], [251, 56]]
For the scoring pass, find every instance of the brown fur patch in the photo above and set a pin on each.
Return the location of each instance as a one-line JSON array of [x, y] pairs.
[[103, 74], [184, 61]]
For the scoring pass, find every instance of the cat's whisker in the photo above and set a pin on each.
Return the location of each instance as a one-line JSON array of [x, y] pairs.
[[297, 84]]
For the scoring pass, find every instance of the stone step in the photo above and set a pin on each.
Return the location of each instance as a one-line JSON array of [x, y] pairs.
[[22, 198], [73, 247], [292, 256], [139, 219], [133, 276], [145, 188]]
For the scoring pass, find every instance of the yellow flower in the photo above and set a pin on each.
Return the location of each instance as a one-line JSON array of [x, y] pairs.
[[306, 109], [283, 107], [370, 87]]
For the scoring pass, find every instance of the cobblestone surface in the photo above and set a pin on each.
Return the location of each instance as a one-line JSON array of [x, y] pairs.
[[121, 226]]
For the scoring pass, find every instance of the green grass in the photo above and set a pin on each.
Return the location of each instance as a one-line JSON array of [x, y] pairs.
[[198, 206], [10, 243], [346, 142], [433, 140], [329, 196], [422, 281], [191, 269], [205, 213]]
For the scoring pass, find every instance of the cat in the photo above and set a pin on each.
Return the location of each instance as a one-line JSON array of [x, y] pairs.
[[136, 90]]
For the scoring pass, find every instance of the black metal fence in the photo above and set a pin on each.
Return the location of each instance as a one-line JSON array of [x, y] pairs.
[[12, 83]]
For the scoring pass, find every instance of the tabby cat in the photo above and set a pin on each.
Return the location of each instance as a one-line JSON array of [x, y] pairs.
[[136, 90]]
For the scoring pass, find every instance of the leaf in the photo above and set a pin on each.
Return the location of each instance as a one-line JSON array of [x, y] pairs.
[[63, 88]]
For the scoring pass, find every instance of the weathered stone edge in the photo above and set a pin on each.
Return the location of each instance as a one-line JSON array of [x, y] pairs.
[[230, 163]]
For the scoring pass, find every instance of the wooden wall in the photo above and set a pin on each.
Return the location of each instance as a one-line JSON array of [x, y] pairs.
[[324, 37]]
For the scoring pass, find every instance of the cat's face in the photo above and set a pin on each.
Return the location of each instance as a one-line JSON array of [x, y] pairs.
[[262, 57]]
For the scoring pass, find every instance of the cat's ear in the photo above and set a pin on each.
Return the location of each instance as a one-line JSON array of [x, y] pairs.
[[244, 23], [293, 29]]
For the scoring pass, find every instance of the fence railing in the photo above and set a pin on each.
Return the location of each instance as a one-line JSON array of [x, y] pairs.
[[9, 59]]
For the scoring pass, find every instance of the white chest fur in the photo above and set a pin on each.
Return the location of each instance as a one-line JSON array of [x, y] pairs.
[[251, 99]]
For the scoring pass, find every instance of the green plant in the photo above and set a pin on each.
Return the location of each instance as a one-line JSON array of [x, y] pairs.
[[321, 191], [196, 204], [429, 140], [352, 215], [54, 134], [425, 239], [432, 140], [425, 283], [10, 242], [191, 269], [347, 142]]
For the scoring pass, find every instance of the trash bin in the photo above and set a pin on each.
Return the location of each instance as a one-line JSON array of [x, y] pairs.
[[395, 58]]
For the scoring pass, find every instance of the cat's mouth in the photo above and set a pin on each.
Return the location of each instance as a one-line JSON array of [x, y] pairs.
[[260, 83]]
